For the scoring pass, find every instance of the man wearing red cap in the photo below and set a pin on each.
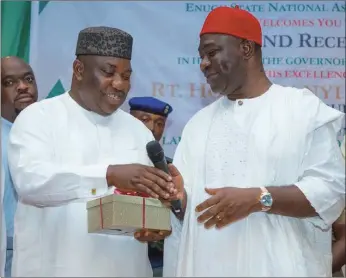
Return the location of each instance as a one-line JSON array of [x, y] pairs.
[[254, 207]]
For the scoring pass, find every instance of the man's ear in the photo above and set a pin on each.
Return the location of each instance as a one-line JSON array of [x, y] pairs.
[[247, 49], [78, 69]]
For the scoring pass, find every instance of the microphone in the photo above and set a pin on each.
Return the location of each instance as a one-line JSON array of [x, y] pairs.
[[157, 156]]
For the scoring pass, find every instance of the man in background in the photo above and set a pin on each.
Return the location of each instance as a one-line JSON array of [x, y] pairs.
[[153, 113], [339, 246], [339, 238], [18, 91]]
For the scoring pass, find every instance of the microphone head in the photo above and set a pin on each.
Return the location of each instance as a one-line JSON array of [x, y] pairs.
[[155, 151]]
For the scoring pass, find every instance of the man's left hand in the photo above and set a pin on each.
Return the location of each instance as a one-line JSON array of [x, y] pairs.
[[228, 205], [147, 236]]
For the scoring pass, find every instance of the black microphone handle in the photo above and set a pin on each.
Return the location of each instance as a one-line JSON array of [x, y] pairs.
[[162, 165], [176, 206]]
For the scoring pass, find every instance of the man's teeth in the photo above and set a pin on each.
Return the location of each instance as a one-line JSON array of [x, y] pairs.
[[113, 96]]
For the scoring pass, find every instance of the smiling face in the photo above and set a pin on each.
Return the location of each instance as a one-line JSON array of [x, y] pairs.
[[103, 82], [224, 61], [18, 87]]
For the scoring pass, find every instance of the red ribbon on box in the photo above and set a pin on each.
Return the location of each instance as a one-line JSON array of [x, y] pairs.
[[129, 193]]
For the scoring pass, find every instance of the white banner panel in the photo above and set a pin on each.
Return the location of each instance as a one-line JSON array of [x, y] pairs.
[[304, 46]]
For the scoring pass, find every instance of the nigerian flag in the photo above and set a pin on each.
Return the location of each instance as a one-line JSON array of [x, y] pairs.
[[15, 28], [20, 25]]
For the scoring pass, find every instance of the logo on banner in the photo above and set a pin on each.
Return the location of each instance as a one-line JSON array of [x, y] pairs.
[[166, 110]]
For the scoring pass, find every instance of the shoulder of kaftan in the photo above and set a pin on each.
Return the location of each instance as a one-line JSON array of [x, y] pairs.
[[305, 105]]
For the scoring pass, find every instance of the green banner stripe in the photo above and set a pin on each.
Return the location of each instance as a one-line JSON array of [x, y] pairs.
[[42, 5], [57, 90], [15, 28]]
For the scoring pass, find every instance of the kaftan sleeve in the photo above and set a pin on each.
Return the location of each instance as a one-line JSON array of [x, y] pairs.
[[323, 180], [37, 179]]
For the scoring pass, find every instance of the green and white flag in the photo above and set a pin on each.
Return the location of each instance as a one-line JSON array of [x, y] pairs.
[[15, 28]]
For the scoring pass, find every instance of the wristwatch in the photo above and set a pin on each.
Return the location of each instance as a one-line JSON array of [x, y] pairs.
[[265, 199]]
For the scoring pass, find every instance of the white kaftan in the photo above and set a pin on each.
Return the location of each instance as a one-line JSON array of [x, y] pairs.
[[286, 136], [58, 153], [2, 225]]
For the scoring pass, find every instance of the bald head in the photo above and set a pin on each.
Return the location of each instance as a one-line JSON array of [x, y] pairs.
[[10, 61], [18, 89]]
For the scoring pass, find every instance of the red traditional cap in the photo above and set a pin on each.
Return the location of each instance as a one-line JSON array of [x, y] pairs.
[[233, 21]]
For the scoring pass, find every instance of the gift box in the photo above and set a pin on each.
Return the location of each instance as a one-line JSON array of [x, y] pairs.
[[125, 214]]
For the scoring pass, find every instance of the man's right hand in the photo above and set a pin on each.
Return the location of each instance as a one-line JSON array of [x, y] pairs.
[[141, 178]]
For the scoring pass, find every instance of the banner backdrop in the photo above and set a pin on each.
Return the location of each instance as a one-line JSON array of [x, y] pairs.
[[304, 46]]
